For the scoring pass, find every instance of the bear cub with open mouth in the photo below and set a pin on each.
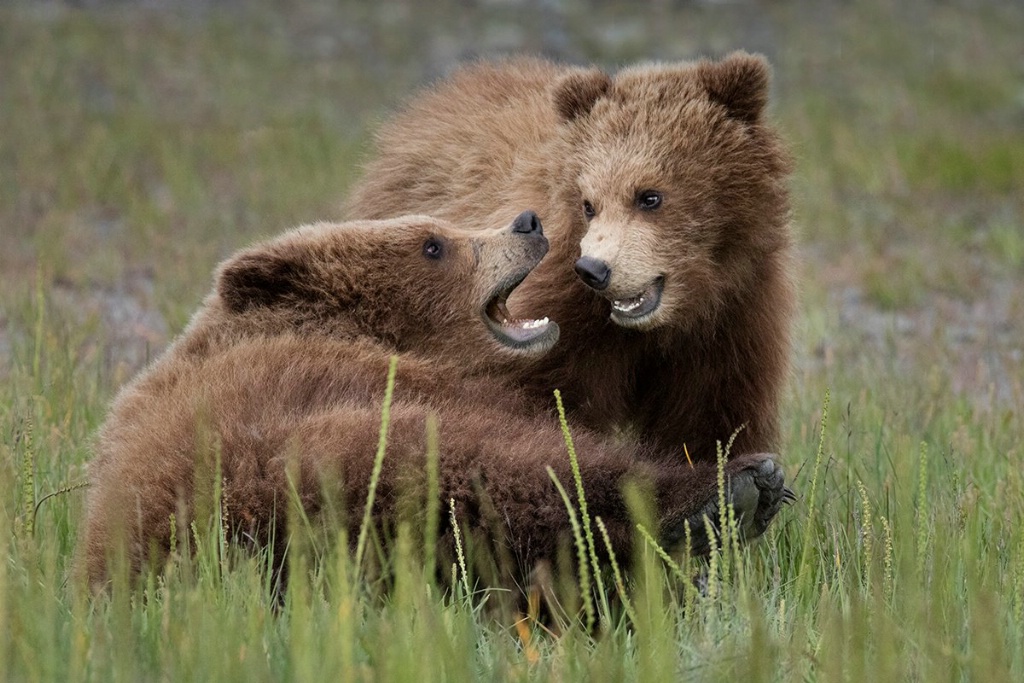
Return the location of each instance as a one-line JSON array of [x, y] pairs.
[[275, 389]]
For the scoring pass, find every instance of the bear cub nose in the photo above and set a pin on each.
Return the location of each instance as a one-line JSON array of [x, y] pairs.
[[527, 223], [594, 272]]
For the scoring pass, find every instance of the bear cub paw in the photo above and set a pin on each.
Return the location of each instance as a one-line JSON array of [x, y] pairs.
[[756, 490]]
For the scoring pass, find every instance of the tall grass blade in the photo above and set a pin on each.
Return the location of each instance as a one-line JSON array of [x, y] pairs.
[[28, 481], [581, 553], [378, 461], [461, 574], [53, 494], [40, 306], [433, 501], [867, 534], [922, 519], [620, 585], [581, 497], [661, 552], [807, 537]]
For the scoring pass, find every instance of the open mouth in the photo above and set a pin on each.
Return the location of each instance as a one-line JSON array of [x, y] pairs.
[[636, 310], [522, 334]]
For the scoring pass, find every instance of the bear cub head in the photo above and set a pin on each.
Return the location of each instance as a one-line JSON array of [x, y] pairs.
[[412, 283], [678, 183]]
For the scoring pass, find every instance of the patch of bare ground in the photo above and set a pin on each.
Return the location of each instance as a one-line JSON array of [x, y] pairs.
[[973, 347], [131, 330]]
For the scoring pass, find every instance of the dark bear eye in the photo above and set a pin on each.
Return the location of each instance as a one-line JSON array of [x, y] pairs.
[[433, 248], [648, 200], [588, 209]]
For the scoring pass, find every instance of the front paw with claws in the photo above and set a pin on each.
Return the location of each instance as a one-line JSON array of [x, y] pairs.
[[754, 488]]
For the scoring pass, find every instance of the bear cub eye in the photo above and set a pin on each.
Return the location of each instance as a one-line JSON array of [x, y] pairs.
[[648, 200], [588, 210], [433, 248]]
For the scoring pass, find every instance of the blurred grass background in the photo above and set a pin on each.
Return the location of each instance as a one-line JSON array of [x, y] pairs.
[[141, 142]]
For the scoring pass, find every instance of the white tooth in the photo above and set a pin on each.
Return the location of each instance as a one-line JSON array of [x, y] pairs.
[[629, 305], [534, 324]]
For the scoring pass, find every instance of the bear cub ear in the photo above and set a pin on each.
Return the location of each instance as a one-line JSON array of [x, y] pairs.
[[739, 83], [259, 278], [576, 93]]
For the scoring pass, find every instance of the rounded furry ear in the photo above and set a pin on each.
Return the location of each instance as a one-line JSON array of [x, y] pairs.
[[576, 93], [739, 82], [259, 277]]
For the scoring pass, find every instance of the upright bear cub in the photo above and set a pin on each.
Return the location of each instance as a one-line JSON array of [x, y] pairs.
[[279, 379], [664, 193]]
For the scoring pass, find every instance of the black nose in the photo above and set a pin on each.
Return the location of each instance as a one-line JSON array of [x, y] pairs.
[[594, 272], [527, 223]]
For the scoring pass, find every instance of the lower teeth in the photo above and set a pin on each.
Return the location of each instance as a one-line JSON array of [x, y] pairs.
[[631, 305], [530, 324]]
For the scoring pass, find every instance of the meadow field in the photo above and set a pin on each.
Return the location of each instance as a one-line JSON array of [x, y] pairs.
[[141, 142]]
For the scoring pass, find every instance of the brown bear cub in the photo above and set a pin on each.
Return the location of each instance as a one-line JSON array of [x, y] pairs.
[[279, 381], [663, 191]]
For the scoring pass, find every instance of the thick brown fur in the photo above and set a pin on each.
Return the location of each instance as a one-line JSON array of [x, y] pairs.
[[528, 133], [281, 375]]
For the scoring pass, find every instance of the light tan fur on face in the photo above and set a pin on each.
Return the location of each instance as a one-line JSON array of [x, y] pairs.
[[621, 235], [621, 239]]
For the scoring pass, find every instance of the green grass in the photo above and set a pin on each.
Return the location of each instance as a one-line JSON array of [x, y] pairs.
[[138, 147]]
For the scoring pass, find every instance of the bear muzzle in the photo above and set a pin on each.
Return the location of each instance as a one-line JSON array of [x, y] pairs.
[[521, 249]]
